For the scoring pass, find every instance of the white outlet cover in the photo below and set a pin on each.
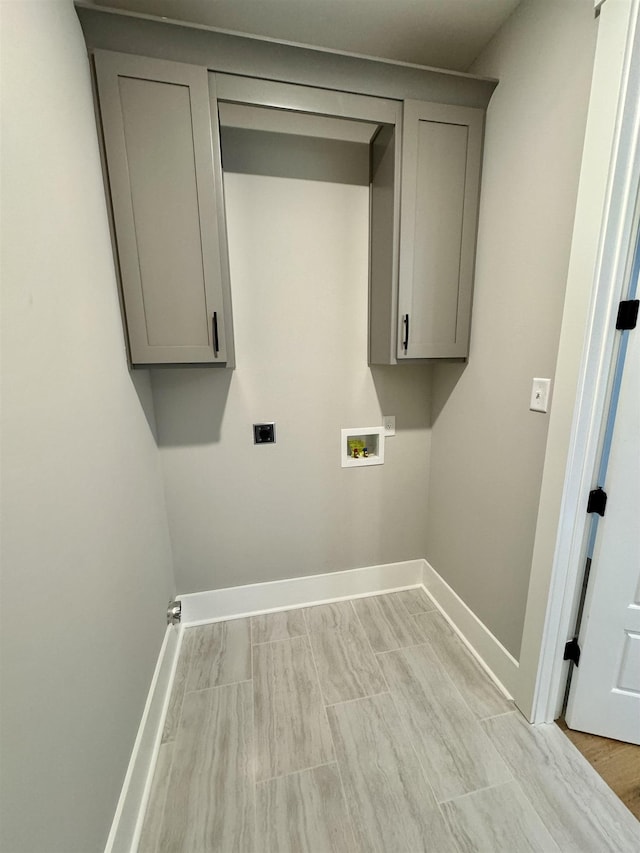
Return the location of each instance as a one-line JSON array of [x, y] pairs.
[[540, 389], [389, 424]]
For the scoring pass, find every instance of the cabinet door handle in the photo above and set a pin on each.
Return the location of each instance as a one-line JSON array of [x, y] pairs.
[[216, 341], [405, 342]]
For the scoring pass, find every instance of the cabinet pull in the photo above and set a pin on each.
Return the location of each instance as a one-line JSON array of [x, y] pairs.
[[216, 341], [405, 342]]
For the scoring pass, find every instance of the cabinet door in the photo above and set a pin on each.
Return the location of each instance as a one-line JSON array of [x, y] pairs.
[[162, 156], [441, 160]]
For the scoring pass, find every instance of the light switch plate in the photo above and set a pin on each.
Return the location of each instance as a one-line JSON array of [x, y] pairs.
[[540, 389], [389, 424]]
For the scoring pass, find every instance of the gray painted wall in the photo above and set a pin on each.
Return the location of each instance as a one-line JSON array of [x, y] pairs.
[[86, 569], [240, 513], [487, 447]]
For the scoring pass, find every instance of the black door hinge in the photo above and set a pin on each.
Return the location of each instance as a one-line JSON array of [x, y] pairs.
[[597, 501], [572, 651], [627, 314]]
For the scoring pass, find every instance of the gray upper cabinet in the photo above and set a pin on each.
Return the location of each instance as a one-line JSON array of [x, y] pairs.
[[441, 161], [162, 150], [419, 131]]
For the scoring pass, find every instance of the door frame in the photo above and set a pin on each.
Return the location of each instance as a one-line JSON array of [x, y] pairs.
[[603, 231]]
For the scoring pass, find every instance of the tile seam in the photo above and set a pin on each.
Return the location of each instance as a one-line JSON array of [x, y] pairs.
[[352, 824], [296, 772], [356, 699], [218, 686]]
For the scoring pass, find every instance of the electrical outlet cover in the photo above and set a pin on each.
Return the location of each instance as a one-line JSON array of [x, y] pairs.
[[389, 424], [264, 433]]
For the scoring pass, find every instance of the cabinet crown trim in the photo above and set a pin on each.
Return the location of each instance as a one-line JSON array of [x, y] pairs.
[[309, 65]]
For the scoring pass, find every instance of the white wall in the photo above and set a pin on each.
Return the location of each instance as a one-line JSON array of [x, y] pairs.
[[241, 513], [488, 449], [86, 570]]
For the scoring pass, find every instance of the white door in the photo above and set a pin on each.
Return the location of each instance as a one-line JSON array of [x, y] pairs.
[[604, 696]]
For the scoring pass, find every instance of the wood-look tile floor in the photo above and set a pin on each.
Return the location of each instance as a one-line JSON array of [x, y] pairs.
[[364, 725]]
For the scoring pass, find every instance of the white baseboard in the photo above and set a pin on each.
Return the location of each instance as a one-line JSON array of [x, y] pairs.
[[200, 608], [127, 821], [216, 605], [489, 651]]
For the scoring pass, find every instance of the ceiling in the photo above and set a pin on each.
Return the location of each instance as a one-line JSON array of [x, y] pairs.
[[442, 33]]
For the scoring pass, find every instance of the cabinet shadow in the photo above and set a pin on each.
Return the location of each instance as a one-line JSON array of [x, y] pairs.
[[141, 382], [446, 376], [189, 404], [404, 390]]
